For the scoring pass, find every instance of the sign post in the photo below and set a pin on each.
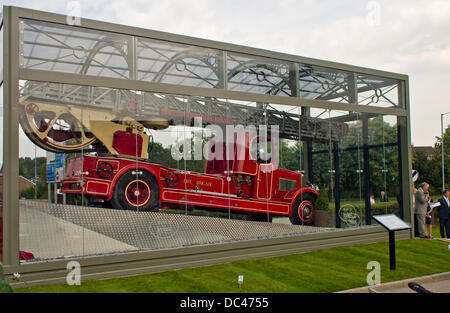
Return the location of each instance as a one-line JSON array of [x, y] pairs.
[[392, 264], [55, 173], [51, 172], [392, 223]]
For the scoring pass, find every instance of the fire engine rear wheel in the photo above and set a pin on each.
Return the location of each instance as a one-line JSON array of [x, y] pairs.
[[303, 210], [136, 191]]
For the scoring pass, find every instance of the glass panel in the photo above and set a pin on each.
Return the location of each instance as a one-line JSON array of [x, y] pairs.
[[351, 174], [69, 49], [378, 91], [384, 164], [164, 62], [338, 168], [69, 214], [259, 75], [322, 162], [46, 230], [323, 83]]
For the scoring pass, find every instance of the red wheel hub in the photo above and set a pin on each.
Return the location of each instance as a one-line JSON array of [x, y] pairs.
[[137, 193], [305, 211]]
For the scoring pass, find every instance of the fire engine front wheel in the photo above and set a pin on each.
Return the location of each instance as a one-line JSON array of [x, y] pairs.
[[136, 191], [303, 210]]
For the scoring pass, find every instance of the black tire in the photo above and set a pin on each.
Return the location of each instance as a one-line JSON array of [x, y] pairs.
[[259, 217], [307, 203], [136, 191]]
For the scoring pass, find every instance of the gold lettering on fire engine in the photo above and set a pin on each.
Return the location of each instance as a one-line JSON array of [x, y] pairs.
[[198, 183], [204, 183]]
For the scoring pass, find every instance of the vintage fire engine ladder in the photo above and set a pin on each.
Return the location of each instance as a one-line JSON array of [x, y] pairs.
[[70, 118]]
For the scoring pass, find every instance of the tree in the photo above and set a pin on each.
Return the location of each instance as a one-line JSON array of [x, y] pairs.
[[430, 170], [161, 155], [436, 167], [290, 155], [28, 167]]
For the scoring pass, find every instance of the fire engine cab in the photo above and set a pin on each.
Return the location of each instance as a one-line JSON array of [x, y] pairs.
[[243, 181]]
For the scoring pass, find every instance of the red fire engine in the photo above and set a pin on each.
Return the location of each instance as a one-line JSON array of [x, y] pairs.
[[242, 183]]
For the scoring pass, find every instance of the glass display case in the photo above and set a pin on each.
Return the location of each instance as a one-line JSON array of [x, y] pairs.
[[134, 142]]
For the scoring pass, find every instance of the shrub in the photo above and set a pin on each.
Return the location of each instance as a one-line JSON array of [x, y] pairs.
[[41, 192], [27, 193], [322, 201], [384, 208]]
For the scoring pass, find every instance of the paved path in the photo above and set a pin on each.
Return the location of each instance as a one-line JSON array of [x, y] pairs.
[[438, 283]]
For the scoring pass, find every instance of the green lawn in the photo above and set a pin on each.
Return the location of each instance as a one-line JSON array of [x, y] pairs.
[[320, 271]]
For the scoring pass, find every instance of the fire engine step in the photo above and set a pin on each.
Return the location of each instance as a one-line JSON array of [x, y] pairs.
[[54, 230]]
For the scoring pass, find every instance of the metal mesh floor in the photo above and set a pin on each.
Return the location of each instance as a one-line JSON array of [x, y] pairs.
[[52, 231]]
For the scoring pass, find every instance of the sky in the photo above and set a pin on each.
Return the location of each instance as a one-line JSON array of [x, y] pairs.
[[409, 37]]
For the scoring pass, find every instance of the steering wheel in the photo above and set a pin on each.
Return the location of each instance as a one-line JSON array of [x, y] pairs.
[[105, 169], [172, 179]]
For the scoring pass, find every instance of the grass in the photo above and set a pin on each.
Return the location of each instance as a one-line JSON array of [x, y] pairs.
[[435, 233], [320, 271]]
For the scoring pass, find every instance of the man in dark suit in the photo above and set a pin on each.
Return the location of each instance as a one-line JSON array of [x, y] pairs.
[[444, 214]]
